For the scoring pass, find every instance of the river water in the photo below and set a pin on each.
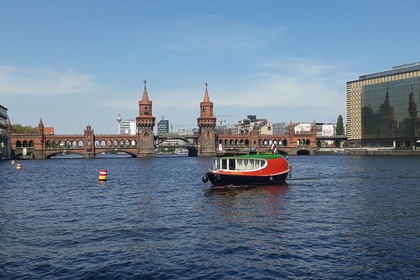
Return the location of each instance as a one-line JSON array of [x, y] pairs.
[[338, 217]]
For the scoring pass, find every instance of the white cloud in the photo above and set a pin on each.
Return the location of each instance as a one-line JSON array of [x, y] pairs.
[[43, 82]]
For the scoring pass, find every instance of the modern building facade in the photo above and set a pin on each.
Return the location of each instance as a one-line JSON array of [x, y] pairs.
[[5, 148], [279, 128], [383, 108], [163, 126]]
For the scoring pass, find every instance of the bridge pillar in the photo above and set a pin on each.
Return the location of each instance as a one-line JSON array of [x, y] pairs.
[[145, 123], [89, 147], [146, 142]]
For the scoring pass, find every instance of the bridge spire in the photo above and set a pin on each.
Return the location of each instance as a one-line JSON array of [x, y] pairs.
[[145, 97], [206, 95], [40, 127], [40, 124]]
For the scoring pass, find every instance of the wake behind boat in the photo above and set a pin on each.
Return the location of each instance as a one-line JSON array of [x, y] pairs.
[[261, 169]]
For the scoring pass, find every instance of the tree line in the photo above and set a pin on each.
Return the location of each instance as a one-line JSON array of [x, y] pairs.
[[18, 128]]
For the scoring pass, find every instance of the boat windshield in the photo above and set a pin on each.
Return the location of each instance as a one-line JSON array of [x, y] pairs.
[[239, 164]]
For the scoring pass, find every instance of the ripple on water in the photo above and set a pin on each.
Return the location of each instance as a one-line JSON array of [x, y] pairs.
[[337, 217]]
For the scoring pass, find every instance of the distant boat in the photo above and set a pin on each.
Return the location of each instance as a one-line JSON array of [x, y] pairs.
[[181, 151], [250, 169]]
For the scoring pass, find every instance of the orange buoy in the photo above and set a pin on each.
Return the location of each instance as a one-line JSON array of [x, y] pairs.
[[18, 166], [13, 161], [102, 175]]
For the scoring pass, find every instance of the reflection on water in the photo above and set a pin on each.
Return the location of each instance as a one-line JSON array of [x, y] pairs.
[[247, 203], [249, 189]]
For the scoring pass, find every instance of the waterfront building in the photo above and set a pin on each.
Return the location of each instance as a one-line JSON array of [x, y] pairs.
[[127, 127], [302, 128], [227, 129], [163, 126], [246, 125], [49, 130], [279, 128], [326, 130], [5, 147], [383, 108], [267, 128]]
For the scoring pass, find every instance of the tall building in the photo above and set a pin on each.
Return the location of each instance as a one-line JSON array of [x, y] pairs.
[[383, 108], [5, 148], [163, 126]]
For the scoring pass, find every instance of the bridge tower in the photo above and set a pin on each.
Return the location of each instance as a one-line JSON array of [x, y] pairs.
[[145, 122], [206, 124], [39, 143]]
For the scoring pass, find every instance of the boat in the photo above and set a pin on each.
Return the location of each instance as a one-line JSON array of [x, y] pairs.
[[250, 169]]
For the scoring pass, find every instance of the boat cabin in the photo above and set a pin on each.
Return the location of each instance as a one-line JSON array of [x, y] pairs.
[[238, 164]]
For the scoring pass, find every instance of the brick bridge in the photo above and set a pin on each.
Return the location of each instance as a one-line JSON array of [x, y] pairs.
[[88, 144], [287, 143], [205, 142]]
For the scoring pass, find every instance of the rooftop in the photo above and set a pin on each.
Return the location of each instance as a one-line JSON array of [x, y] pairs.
[[395, 70]]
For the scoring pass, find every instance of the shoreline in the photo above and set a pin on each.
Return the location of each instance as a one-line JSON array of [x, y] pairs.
[[383, 151]]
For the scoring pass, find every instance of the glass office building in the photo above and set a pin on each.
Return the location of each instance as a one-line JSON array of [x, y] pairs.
[[5, 148], [163, 127], [383, 108]]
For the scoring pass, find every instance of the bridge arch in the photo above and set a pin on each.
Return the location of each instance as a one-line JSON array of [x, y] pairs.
[[172, 142], [165, 139], [24, 143], [116, 150], [55, 153], [303, 142], [303, 152]]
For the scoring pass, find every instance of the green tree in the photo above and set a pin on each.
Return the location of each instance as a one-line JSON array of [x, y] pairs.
[[18, 128], [339, 130]]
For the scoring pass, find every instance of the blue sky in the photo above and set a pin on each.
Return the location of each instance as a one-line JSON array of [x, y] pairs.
[[74, 63]]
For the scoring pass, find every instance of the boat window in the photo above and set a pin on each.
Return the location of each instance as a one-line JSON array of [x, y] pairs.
[[232, 165], [251, 164], [240, 164], [224, 163], [244, 163], [217, 164]]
